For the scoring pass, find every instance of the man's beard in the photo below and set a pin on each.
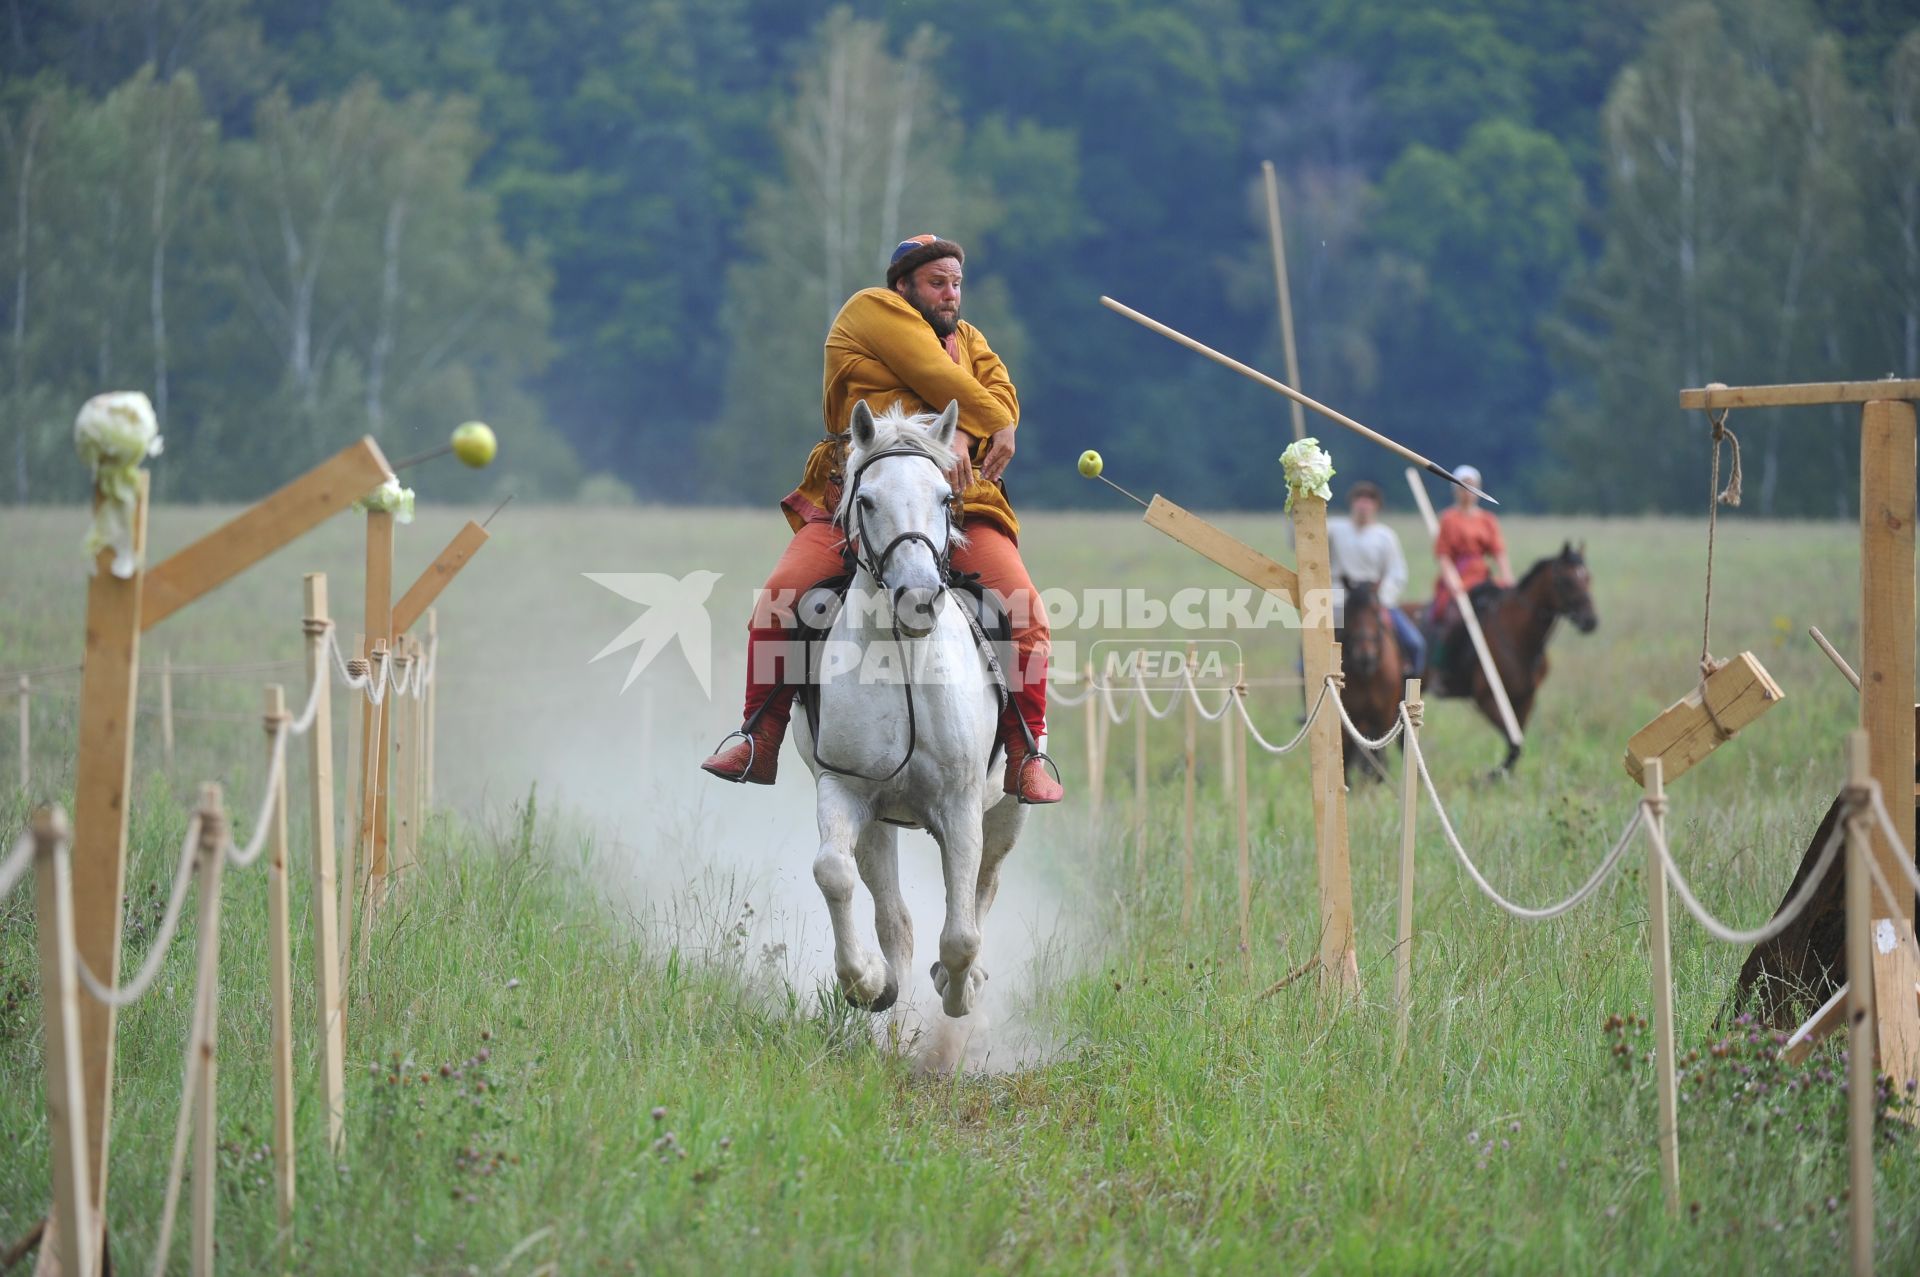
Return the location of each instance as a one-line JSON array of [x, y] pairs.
[[943, 325]]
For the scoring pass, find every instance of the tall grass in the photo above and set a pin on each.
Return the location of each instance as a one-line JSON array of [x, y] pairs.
[[544, 1074]]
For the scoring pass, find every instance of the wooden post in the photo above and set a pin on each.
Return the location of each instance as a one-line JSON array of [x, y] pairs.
[[1860, 1008], [1887, 496], [1140, 792], [1186, 842], [1403, 934], [353, 864], [374, 745], [206, 1149], [1279, 243], [433, 649], [74, 1238], [402, 754], [1660, 945], [166, 712], [379, 638], [1244, 861], [26, 733], [328, 1004], [418, 785], [1339, 963], [280, 965], [109, 686], [1095, 715]]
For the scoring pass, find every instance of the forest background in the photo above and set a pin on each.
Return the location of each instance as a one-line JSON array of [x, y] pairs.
[[618, 231]]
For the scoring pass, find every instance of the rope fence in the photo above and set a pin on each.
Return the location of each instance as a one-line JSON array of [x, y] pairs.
[[207, 843], [1863, 802]]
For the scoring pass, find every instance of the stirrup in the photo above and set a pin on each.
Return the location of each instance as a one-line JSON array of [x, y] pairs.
[[753, 749], [1041, 755]]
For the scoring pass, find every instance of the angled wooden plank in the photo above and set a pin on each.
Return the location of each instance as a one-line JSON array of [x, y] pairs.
[[1683, 733], [270, 523], [1231, 553], [1812, 392], [421, 594]]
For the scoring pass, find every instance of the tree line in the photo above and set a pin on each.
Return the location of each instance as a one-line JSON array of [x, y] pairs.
[[618, 231]]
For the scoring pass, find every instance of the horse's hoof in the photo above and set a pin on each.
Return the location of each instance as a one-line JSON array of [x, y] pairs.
[[888, 996]]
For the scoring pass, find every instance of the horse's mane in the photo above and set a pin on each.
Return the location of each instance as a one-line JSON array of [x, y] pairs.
[[897, 429], [1544, 565]]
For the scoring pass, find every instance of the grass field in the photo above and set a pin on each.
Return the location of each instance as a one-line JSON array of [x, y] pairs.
[[601, 935]]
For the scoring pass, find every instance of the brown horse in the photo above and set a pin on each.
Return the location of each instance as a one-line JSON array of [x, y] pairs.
[[1517, 622], [1370, 662]]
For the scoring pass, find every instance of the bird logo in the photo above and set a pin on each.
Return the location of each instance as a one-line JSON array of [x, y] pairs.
[[676, 608]]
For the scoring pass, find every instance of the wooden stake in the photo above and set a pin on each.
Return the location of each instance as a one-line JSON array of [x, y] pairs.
[[206, 1148], [26, 733], [1887, 501], [74, 1235], [1403, 934], [1278, 241], [1860, 1010], [1096, 715], [1140, 793], [109, 686], [379, 585], [418, 784], [354, 864], [433, 648], [1339, 963], [166, 712], [329, 1006], [403, 748], [1660, 945], [1186, 842], [1244, 861], [280, 967], [373, 855]]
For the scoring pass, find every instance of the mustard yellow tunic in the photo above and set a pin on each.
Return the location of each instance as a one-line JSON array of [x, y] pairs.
[[880, 349]]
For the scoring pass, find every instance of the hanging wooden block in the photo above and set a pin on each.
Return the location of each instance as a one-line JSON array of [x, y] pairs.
[[1739, 691]]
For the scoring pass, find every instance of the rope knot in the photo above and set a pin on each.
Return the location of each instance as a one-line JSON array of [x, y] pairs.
[[357, 668], [1729, 495], [1338, 679], [1416, 714], [1656, 806]]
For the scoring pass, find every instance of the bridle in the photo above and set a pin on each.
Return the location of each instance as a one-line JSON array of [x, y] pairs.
[[875, 564], [865, 557]]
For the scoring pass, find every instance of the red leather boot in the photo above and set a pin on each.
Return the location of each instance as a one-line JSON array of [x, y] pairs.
[[1028, 778]]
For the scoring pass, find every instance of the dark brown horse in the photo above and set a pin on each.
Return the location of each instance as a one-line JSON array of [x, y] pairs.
[[1374, 677], [1517, 622]]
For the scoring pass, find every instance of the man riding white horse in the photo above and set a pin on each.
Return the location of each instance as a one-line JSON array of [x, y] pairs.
[[905, 345]]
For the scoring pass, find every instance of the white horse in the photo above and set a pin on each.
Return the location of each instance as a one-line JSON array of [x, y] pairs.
[[908, 719]]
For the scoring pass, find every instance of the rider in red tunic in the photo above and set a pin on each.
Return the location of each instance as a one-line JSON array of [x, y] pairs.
[[906, 344], [1468, 537]]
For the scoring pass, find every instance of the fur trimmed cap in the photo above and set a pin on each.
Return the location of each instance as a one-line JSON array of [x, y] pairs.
[[914, 253]]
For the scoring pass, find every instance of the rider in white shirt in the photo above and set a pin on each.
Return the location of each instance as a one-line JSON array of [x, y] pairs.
[[1364, 549]]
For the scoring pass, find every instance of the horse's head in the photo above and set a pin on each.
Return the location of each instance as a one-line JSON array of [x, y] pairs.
[[1362, 634], [897, 506], [1569, 585]]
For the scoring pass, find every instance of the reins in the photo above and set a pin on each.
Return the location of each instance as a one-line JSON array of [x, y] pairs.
[[875, 566]]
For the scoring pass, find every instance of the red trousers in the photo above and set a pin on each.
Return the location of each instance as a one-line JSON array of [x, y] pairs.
[[815, 554]]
